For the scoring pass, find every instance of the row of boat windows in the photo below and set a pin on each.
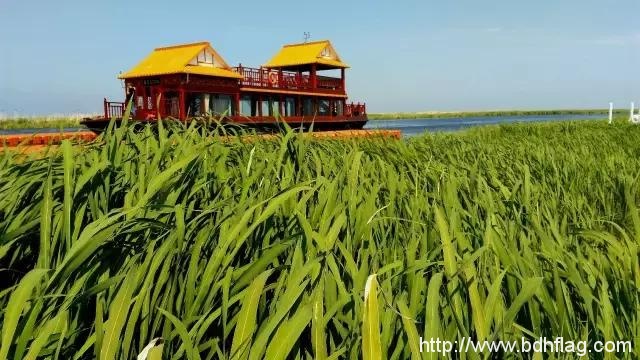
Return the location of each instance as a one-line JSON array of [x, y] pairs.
[[202, 104]]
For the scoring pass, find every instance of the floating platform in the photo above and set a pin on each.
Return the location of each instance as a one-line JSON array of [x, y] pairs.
[[39, 139], [396, 134], [42, 140]]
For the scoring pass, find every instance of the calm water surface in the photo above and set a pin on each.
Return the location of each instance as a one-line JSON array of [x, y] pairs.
[[410, 127]]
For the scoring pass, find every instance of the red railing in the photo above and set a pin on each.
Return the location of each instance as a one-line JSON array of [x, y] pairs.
[[286, 80], [113, 109], [329, 83], [171, 109], [355, 109]]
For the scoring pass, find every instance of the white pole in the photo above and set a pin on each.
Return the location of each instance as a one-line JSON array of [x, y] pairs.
[[610, 112], [633, 110]]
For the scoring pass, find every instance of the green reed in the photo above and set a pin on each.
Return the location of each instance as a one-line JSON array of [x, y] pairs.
[[229, 247]]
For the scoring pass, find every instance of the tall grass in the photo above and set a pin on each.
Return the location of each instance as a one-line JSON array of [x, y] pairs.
[[294, 248], [40, 122]]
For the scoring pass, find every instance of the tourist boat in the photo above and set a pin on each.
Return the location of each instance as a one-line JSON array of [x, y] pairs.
[[190, 81]]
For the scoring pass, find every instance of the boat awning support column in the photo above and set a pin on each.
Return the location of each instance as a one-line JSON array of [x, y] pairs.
[[183, 114], [313, 77]]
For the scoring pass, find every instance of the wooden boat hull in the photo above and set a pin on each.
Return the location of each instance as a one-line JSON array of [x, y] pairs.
[[319, 123]]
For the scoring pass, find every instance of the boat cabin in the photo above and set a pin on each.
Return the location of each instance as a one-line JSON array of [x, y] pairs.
[[302, 83]]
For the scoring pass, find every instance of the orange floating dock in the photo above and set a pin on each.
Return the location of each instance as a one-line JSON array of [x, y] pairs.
[[41, 140], [344, 134], [339, 134]]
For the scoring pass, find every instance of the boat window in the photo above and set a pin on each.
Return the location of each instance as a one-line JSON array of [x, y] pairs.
[[205, 58], [245, 106], [147, 91], [339, 107], [275, 107], [307, 107], [220, 104], [194, 104], [289, 107], [265, 106], [172, 104], [324, 108]]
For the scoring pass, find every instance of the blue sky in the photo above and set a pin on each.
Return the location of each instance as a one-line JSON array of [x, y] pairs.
[[64, 56]]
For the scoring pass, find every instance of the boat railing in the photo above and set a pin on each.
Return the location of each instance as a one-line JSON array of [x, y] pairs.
[[329, 83], [113, 109], [286, 80], [355, 109]]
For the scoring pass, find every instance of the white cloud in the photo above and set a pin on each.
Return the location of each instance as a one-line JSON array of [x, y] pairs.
[[618, 40]]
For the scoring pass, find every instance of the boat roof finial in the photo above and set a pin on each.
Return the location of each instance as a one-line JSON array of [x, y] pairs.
[[307, 36]]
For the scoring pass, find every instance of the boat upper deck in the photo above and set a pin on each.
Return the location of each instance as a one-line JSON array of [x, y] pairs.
[[273, 79]]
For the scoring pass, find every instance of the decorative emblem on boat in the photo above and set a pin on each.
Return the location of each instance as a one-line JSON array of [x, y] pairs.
[[273, 78]]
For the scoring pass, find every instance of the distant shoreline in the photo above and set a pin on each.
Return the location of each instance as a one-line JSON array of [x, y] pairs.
[[39, 123], [492, 113]]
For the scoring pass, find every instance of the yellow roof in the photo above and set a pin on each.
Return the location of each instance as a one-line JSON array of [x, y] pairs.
[[179, 59], [317, 52]]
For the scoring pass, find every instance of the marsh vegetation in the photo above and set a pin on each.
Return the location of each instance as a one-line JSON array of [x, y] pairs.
[[235, 249]]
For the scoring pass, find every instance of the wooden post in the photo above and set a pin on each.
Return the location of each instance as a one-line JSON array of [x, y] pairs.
[[281, 106], [313, 77], [181, 100], [106, 110], [342, 77], [261, 79], [260, 103], [237, 100], [299, 106], [610, 113], [159, 103]]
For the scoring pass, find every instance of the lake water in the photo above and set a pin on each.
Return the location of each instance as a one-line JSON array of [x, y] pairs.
[[411, 127]]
